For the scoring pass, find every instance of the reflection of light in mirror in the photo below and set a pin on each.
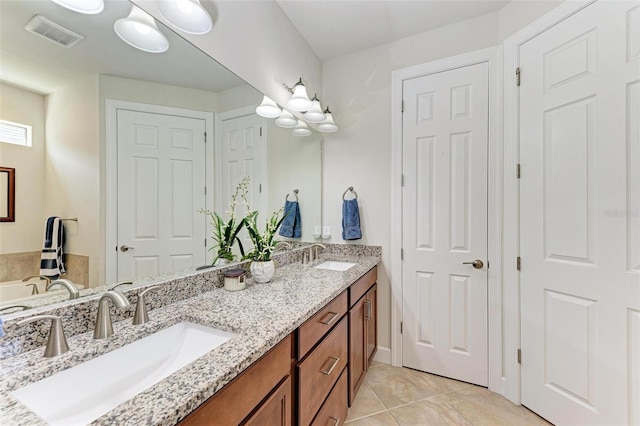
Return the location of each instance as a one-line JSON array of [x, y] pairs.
[[186, 15], [89, 7], [301, 129], [140, 31], [286, 120], [268, 108]]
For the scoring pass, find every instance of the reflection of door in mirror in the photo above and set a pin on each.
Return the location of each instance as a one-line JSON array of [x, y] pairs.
[[7, 194], [161, 178], [243, 153]]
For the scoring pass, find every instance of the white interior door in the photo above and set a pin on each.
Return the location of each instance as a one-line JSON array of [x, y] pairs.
[[243, 154], [161, 179], [445, 127], [580, 203]]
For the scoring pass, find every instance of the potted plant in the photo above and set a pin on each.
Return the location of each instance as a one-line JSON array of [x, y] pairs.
[[262, 267], [225, 234]]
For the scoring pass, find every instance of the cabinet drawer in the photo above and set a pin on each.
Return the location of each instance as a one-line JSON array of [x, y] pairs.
[[360, 287], [320, 371], [318, 325], [334, 409], [235, 401]]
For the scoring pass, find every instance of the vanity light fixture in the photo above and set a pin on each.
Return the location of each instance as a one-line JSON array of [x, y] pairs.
[[315, 114], [286, 120], [300, 100], [186, 15], [328, 125], [140, 31], [268, 108], [88, 7], [301, 129]]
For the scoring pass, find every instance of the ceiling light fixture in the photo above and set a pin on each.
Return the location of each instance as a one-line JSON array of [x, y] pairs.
[[301, 129], [286, 120], [300, 100], [268, 108], [88, 7], [140, 31], [328, 125], [315, 114], [186, 15]]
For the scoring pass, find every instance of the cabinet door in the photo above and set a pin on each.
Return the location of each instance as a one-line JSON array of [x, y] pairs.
[[357, 349], [276, 410], [371, 323]]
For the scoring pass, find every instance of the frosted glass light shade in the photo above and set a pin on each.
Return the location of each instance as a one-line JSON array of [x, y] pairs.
[[328, 125], [186, 15], [89, 7], [286, 120], [300, 100], [268, 108], [315, 114], [301, 129], [140, 31]]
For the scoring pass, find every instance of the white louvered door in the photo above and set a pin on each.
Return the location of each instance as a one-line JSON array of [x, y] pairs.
[[445, 127], [161, 179], [580, 217]]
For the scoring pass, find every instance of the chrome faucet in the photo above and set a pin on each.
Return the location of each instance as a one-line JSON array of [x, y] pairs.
[[71, 287], [313, 251], [42, 277], [57, 342], [34, 289], [141, 315], [104, 326], [286, 244], [121, 283], [6, 308]]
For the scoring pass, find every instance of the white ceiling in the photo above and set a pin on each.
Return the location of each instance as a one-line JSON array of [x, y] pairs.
[[32, 62], [335, 28]]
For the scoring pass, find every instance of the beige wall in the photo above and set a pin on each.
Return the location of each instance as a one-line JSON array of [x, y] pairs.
[[26, 233], [358, 87], [72, 180]]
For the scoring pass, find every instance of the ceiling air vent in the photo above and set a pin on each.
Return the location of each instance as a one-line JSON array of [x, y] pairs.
[[43, 27]]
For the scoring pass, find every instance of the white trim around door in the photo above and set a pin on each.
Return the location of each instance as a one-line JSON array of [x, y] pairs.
[[511, 193], [111, 199], [492, 56]]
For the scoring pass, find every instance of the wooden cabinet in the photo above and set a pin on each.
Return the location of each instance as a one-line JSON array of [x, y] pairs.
[[334, 409], [276, 410], [248, 392], [363, 330]]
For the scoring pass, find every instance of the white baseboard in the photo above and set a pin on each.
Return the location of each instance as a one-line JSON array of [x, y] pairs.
[[383, 355]]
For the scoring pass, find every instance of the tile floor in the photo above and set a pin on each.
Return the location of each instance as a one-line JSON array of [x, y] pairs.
[[401, 396]]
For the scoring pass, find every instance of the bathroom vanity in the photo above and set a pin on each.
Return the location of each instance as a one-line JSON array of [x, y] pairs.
[[301, 346]]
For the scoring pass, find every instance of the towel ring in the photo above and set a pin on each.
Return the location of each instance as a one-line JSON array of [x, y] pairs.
[[355, 194], [295, 192]]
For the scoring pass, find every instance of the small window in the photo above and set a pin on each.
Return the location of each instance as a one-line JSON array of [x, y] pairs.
[[15, 133]]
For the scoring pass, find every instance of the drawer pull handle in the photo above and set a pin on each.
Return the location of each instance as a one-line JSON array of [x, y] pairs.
[[334, 315], [337, 421], [335, 362]]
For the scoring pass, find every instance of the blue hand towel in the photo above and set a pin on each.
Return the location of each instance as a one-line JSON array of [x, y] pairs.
[[51, 264], [291, 225], [351, 220]]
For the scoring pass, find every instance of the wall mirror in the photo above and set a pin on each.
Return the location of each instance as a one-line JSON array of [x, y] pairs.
[[63, 93], [7, 194]]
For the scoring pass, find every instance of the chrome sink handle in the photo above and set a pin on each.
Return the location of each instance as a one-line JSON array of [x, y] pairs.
[[313, 251], [121, 283], [71, 287], [141, 316], [42, 277], [34, 289], [104, 326], [57, 342]]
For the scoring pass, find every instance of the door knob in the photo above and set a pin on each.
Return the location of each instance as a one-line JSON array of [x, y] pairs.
[[124, 248], [478, 264]]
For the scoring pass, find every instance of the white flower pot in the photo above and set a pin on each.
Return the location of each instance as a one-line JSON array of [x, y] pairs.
[[262, 272]]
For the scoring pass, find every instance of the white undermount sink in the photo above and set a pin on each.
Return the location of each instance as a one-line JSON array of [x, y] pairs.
[[85, 392], [335, 266]]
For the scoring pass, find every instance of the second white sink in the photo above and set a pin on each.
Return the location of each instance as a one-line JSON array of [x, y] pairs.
[[85, 392], [335, 266]]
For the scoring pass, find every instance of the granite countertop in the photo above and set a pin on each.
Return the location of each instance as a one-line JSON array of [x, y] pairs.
[[261, 316]]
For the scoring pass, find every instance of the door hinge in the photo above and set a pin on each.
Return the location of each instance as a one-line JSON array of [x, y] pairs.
[[401, 180], [518, 171], [260, 189], [205, 190], [518, 76], [401, 254], [488, 266], [401, 330], [260, 131], [205, 137], [519, 356], [205, 242], [402, 106], [518, 263]]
